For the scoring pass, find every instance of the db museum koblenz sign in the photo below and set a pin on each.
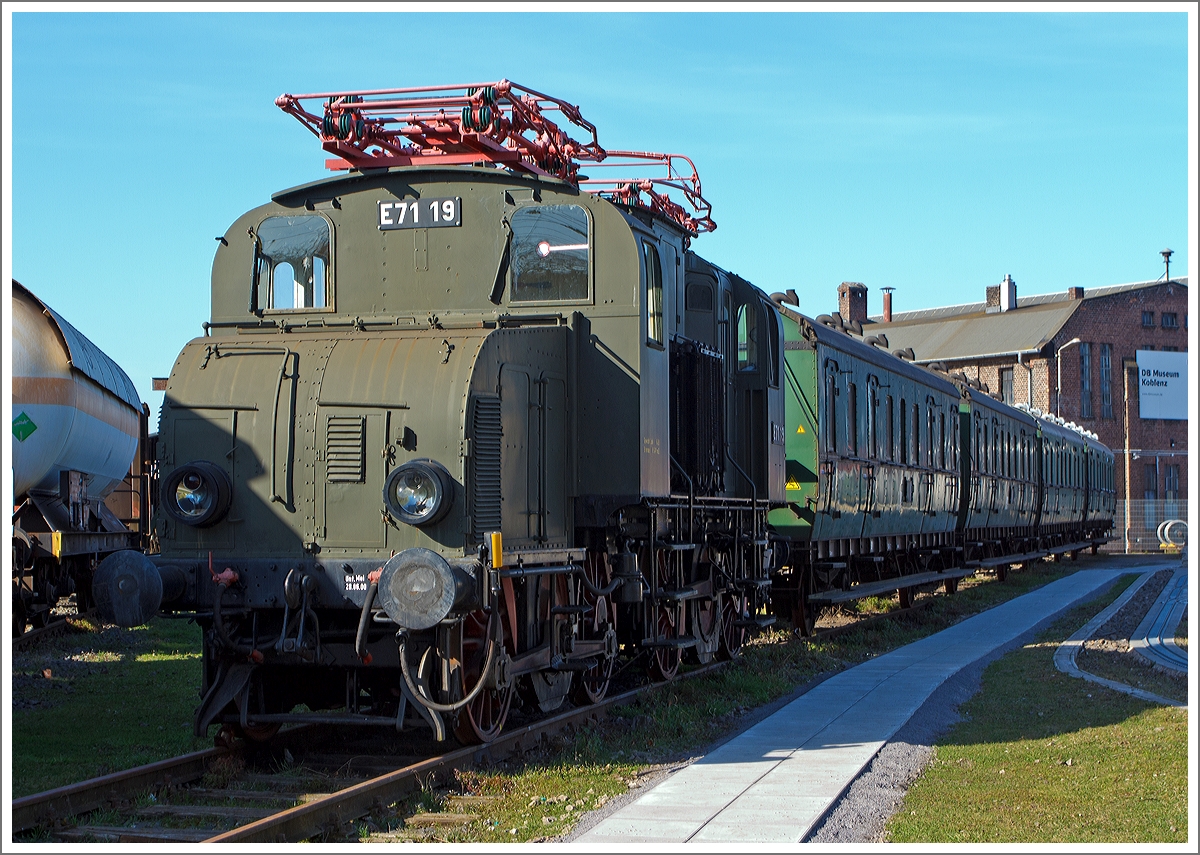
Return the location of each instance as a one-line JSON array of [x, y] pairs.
[[1162, 384]]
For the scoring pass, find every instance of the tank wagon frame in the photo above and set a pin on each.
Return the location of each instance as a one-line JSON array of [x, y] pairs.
[[467, 427], [78, 426]]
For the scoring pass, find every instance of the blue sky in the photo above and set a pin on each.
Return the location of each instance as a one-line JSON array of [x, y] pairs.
[[930, 152]]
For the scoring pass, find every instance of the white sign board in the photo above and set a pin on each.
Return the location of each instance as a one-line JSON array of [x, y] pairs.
[[1162, 385]]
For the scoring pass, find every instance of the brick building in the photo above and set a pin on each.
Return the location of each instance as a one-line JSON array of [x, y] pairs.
[[1021, 349]]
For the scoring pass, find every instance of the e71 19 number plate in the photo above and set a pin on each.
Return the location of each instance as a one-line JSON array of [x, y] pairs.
[[420, 214]]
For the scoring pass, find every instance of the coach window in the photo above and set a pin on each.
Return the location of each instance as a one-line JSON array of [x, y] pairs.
[[291, 264], [930, 452], [889, 443], [831, 393], [942, 435], [916, 434], [873, 449], [550, 254], [852, 420], [654, 295]]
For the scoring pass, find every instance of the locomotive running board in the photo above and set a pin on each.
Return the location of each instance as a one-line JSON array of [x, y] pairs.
[[870, 589]]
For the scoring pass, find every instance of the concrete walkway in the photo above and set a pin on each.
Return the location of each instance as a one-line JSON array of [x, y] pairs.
[[774, 782]]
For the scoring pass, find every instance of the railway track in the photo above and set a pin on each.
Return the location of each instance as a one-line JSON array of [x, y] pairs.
[[26, 640], [190, 798]]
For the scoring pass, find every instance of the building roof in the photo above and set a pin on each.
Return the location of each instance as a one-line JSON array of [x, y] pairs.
[[970, 331]]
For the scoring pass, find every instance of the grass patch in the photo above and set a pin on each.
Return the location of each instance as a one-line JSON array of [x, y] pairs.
[[100, 700], [1181, 632], [1046, 758]]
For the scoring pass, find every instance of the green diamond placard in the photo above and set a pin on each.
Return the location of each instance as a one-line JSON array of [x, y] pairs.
[[23, 426]]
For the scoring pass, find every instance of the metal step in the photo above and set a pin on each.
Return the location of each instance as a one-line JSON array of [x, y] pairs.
[[683, 642], [759, 622], [580, 609], [676, 595]]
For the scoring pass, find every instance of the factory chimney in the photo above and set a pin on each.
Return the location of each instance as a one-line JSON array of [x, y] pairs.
[[887, 304], [852, 302], [1008, 293]]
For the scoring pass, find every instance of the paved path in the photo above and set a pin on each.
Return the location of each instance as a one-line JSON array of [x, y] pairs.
[[774, 782]]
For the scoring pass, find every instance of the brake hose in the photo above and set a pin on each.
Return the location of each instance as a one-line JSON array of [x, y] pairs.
[[402, 640]]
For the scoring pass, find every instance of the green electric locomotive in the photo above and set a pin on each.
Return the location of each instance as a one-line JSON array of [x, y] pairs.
[[464, 426]]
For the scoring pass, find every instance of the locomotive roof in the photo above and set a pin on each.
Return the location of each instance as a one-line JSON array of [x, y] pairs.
[[334, 182]]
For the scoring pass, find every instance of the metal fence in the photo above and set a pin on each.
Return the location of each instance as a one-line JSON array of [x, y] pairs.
[[1138, 532]]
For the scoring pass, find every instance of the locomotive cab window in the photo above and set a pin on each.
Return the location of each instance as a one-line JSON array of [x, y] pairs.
[[747, 337], [654, 295], [291, 264], [550, 254]]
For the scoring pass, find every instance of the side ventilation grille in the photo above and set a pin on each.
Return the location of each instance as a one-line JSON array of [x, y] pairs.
[[485, 467], [345, 448]]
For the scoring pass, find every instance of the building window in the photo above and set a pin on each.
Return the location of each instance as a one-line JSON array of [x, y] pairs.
[[1150, 494], [1085, 381], [1170, 320], [1171, 492], [1147, 319], [1006, 385], [1106, 410], [1170, 349]]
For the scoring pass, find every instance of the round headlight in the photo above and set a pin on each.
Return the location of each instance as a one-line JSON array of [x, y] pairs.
[[197, 494], [419, 492]]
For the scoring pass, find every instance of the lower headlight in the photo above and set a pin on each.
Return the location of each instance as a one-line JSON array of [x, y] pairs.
[[419, 492], [197, 494]]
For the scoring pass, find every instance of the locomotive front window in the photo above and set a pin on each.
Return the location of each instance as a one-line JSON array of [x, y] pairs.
[[291, 263], [550, 254]]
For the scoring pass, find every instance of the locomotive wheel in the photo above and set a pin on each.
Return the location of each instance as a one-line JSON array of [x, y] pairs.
[[483, 718], [804, 617], [733, 609], [19, 617], [664, 661], [593, 683], [705, 614], [257, 732]]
